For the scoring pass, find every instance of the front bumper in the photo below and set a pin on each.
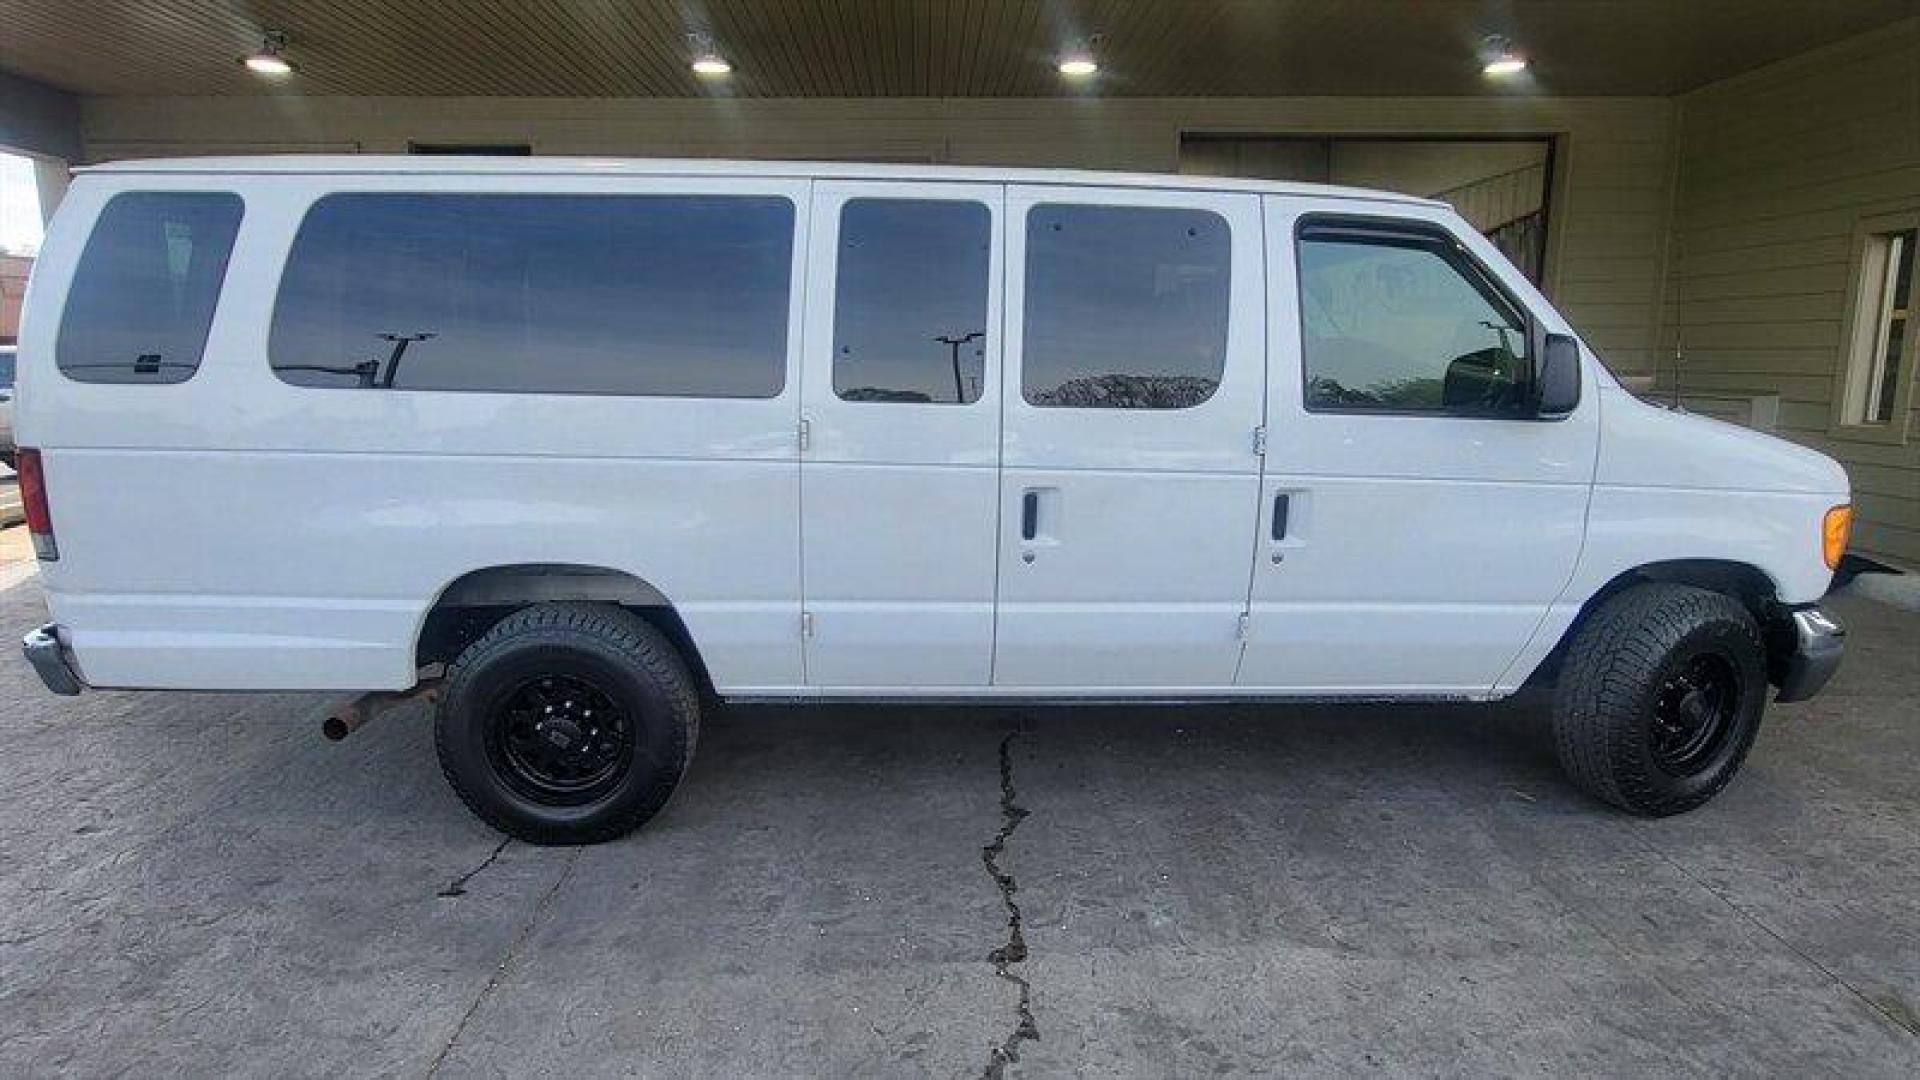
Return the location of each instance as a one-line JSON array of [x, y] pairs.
[[1818, 643], [49, 660]]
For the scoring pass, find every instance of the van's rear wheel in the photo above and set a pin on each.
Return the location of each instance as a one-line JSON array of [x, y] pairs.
[[1660, 698], [567, 723]]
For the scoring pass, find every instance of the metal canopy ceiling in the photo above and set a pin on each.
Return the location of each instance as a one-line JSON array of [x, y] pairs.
[[913, 48]]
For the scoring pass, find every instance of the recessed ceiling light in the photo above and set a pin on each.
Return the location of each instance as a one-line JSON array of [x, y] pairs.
[[1498, 58], [1077, 59], [707, 61], [269, 61]]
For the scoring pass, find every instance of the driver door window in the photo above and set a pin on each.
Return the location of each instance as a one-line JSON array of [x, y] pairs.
[[1405, 324]]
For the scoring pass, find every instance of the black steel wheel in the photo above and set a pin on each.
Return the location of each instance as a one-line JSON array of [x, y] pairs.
[[567, 723], [1694, 713], [1660, 698], [559, 739]]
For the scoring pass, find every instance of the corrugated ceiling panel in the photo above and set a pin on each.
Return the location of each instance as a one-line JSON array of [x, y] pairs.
[[909, 48]]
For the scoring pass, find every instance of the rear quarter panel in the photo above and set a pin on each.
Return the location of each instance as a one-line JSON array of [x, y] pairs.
[[236, 532]]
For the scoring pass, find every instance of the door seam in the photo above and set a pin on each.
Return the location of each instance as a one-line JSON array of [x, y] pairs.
[[1265, 446]]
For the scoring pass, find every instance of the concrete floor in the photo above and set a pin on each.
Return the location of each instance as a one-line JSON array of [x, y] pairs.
[[16, 559], [11, 510], [197, 884]]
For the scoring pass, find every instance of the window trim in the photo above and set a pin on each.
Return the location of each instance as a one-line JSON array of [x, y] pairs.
[[1026, 261], [792, 329], [219, 296], [1895, 430], [1414, 232]]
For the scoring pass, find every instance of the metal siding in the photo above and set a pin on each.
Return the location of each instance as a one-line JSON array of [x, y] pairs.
[[1776, 169]]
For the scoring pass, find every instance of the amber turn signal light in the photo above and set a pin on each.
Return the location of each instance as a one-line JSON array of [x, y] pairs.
[[1834, 531]]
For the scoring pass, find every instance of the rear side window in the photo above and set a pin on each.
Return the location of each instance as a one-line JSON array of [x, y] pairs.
[[910, 301], [1126, 307], [142, 298], [654, 295]]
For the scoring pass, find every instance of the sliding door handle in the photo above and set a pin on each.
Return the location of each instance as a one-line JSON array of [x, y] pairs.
[[1030, 516], [1281, 504]]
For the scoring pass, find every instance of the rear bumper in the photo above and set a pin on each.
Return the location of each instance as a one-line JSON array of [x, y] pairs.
[[1818, 643], [49, 659]]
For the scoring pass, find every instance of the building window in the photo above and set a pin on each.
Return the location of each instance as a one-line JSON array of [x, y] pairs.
[[636, 295], [1880, 347], [471, 149]]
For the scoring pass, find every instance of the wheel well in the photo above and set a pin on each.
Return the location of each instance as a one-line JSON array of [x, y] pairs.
[[1743, 581], [470, 606]]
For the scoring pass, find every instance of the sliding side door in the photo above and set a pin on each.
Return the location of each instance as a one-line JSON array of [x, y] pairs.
[[1134, 387]]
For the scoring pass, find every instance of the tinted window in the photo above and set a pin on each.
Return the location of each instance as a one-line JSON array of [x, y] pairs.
[[642, 295], [1405, 325], [6, 367], [910, 301], [142, 297], [1126, 307]]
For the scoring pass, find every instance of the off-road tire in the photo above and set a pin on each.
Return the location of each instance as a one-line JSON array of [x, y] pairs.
[[638, 669], [1612, 681]]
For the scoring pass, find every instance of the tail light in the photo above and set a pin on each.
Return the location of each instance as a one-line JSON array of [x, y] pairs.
[[1834, 531], [33, 494]]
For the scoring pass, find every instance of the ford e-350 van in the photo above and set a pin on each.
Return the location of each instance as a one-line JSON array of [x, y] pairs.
[[577, 446]]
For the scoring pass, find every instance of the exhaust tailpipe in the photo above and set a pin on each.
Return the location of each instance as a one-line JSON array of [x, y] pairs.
[[348, 718]]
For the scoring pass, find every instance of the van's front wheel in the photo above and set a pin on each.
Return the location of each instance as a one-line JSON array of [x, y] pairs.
[[1660, 698], [567, 723]]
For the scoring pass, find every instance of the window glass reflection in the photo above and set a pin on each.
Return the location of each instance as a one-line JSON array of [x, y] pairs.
[[910, 301], [1395, 326], [682, 296], [142, 299], [1126, 307]]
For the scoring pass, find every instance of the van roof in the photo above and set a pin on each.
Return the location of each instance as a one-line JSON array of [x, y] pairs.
[[397, 164]]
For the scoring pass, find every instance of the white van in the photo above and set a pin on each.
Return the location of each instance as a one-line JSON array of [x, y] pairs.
[[578, 445]]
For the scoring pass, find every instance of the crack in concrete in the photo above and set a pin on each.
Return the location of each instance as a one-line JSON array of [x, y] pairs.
[[506, 962], [458, 886], [1891, 1014], [1014, 951]]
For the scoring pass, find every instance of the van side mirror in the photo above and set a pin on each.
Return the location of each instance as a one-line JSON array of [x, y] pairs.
[[1556, 377]]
